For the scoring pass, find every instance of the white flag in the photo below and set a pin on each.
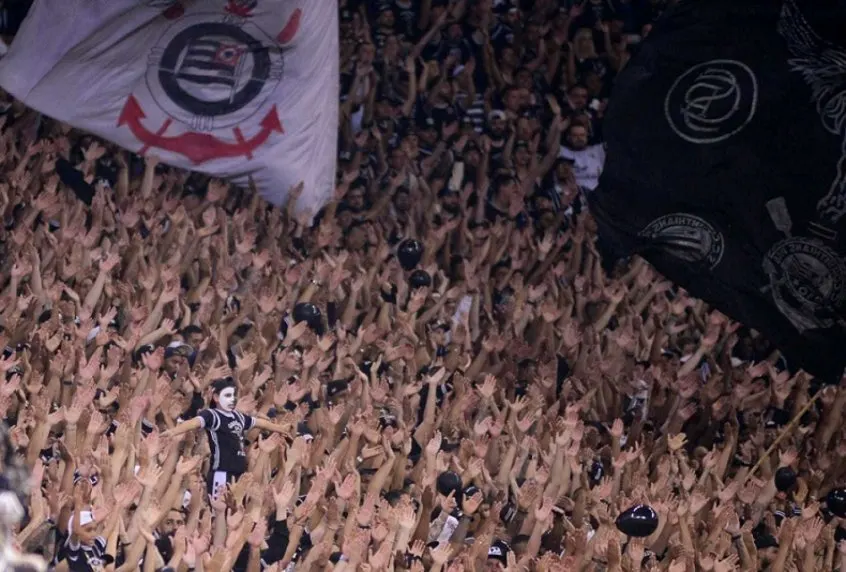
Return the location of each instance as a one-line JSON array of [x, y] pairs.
[[233, 88]]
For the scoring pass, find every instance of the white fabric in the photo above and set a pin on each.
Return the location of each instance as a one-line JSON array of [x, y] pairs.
[[449, 527], [216, 86], [587, 164], [218, 484], [85, 517], [11, 511]]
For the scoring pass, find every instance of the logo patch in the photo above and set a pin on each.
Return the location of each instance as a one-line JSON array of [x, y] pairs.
[[212, 72], [712, 101], [211, 75], [686, 237], [807, 282]]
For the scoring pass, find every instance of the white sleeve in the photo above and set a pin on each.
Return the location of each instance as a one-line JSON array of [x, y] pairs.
[[449, 527]]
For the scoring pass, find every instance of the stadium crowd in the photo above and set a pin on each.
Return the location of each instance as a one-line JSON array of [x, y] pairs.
[[432, 373]]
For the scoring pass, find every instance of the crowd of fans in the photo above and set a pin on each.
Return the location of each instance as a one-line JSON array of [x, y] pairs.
[[200, 382]]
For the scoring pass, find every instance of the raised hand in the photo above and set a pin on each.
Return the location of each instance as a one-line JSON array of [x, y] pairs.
[[345, 489], [441, 553], [284, 495], [187, 465]]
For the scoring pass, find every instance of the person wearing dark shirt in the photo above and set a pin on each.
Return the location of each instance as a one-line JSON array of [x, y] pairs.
[[225, 428], [456, 45], [174, 519], [385, 26], [427, 133], [406, 15], [561, 188], [505, 204], [84, 550]]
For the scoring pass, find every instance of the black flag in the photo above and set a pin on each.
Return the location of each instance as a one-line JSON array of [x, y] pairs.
[[726, 167]]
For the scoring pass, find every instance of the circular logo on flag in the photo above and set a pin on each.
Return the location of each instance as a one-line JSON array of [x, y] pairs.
[[212, 74], [686, 237], [807, 282], [712, 101]]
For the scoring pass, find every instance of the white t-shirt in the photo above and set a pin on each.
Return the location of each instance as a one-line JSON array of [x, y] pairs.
[[587, 164]]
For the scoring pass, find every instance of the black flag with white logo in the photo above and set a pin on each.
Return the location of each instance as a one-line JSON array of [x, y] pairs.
[[726, 167]]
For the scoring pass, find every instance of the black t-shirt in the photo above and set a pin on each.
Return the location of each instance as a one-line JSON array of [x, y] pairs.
[[406, 13], [460, 49], [593, 13], [226, 438], [494, 214], [497, 157], [502, 35], [86, 557], [164, 545], [444, 114], [435, 48], [587, 66]]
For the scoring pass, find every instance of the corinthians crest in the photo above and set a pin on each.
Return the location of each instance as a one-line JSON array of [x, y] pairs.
[[712, 101], [686, 237], [807, 275], [212, 72], [806, 282]]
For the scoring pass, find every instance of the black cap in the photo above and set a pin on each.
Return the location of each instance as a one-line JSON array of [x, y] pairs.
[[765, 541], [785, 479], [499, 551], [449, 482]]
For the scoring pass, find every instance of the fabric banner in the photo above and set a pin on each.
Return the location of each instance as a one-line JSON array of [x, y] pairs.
[[232, 88], [726, 168]]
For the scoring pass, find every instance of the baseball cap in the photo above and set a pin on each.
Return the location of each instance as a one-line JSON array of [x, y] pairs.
[[499, 551], [496, 114], [178, 348]]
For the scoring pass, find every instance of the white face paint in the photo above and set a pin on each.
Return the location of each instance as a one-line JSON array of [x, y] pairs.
[[226, 399]]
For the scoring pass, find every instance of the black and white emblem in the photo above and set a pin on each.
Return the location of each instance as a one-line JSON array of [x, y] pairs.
[[806, 282], [807, 276], [210, 72], [712, 101], [686, 237]]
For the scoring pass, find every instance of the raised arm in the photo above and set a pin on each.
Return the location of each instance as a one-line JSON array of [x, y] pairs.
[[185, 427]]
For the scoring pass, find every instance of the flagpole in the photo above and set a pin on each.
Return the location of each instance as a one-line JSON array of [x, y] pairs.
[[784, 433]]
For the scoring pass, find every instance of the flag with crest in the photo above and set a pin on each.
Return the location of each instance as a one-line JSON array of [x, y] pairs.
[[726, 166], [232, 88]]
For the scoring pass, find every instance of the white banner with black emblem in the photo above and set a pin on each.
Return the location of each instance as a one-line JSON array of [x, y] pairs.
[[232, 88]]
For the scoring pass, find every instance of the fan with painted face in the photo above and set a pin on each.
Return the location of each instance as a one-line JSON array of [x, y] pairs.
[[226, 428], [226, 399]]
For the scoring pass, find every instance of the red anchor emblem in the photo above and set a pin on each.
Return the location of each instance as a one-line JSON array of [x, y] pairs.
[[241, 8], [291, 28], [201, 147], [198, 147]]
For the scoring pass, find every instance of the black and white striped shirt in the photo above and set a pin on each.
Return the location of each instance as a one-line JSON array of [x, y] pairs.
[[226, 438]]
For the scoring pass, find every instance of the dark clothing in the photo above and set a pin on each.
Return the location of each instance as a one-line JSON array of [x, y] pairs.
[[226, 439]]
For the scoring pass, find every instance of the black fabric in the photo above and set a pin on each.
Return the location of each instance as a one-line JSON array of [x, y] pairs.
[[86, 557], [724, 134], [12, 14], [226, 439], [230, 478], [73, 178]]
